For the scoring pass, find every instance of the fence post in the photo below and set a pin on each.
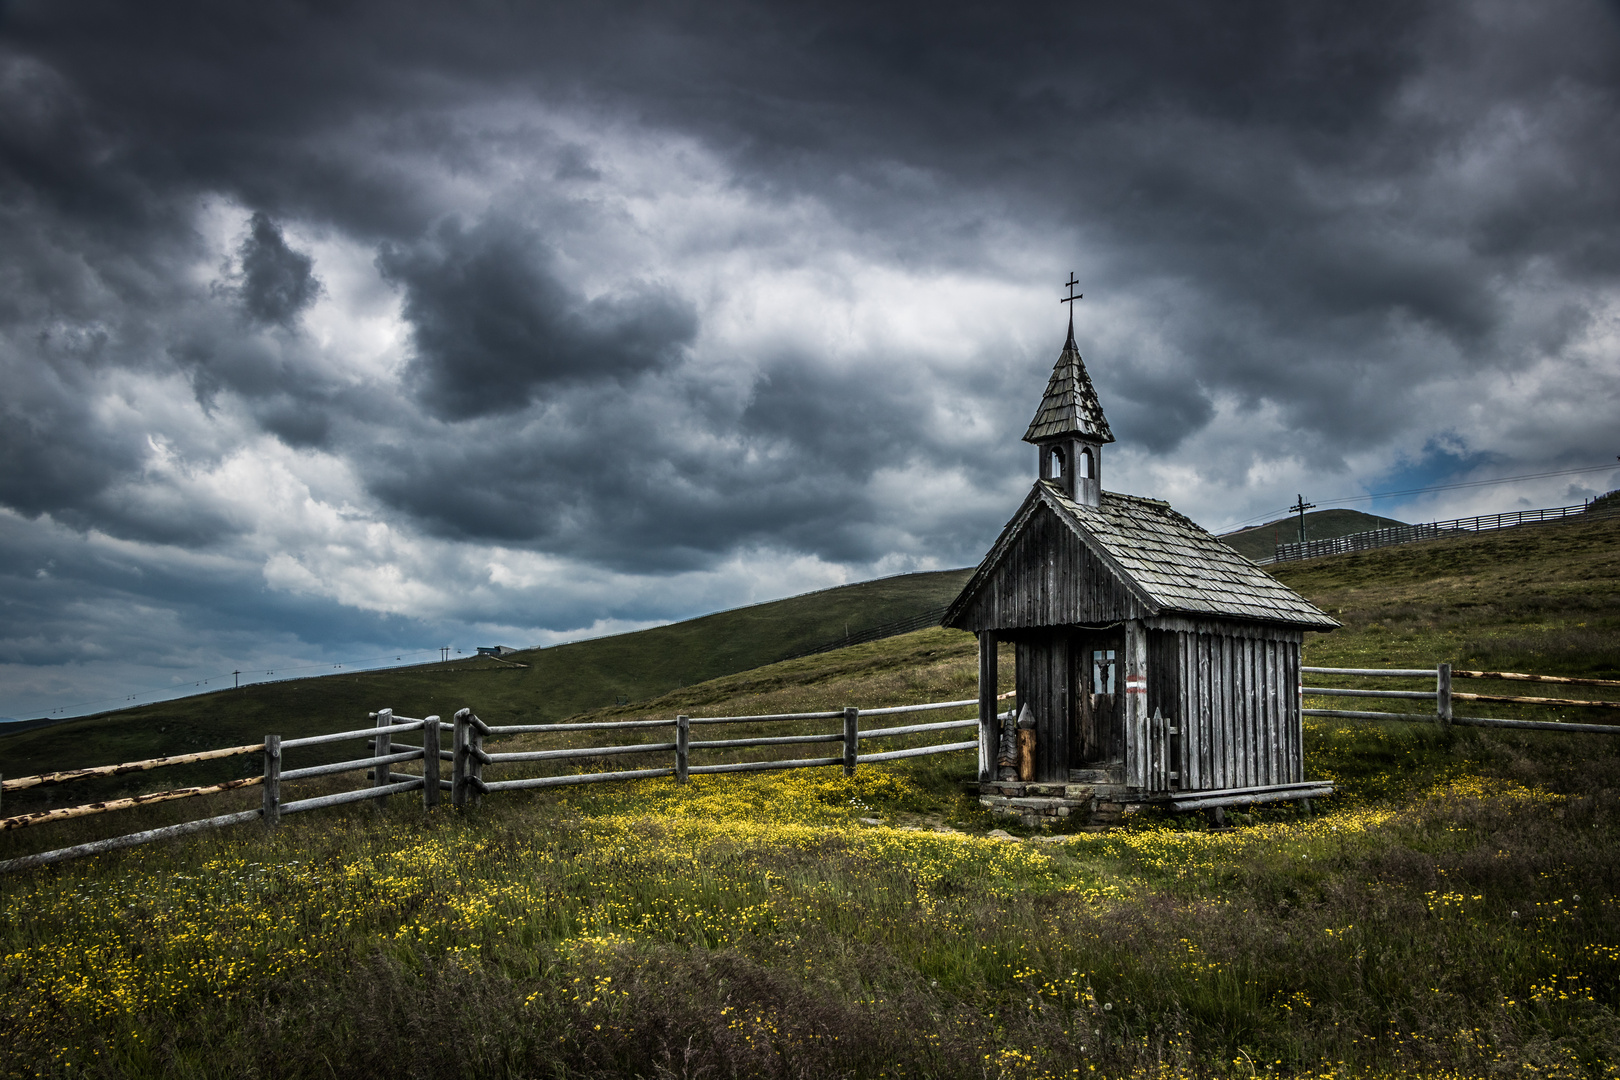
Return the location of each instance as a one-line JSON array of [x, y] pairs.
[[989, 726], [384, 747], [1442, 693], [458, 760], [683, 739], [852, 738], [430, 762], [475, 764], [272, 780]]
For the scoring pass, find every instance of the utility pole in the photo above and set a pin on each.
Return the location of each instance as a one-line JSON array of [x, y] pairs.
[[238, 675], [1300, 508]]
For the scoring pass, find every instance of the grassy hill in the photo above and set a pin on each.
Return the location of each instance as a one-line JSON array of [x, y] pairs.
[[1451, 913], [557, 683], [1539, 598], [1260, 542]]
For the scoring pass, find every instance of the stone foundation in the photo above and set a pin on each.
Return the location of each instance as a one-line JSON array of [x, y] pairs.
[[1046, 805]]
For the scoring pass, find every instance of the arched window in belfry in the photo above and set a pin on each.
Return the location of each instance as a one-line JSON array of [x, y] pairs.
[[1087, 468], [1057, 463]]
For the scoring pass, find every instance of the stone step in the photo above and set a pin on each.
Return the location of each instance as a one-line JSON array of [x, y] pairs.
[[1095, 776]]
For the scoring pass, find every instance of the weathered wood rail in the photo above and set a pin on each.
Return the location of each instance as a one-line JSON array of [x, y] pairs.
[[468, 759], [378, 761], [1392, 535], [1445, 698]]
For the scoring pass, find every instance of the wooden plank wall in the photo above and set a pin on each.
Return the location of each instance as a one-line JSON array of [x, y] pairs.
[[1239, 711], [1164, 698], [1044, 684], [1048, 578]]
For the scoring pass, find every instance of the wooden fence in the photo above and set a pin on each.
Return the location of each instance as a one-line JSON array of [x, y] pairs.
[[1445, 698], [1408, 534], [468, 760]]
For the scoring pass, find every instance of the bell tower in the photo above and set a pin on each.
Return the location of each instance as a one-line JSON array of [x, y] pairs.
[[1069, 428]]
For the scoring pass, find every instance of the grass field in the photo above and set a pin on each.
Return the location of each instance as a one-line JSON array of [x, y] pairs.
[[1453, 912]]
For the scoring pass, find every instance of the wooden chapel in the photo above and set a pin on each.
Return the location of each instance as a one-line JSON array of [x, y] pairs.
[[1102, 593]]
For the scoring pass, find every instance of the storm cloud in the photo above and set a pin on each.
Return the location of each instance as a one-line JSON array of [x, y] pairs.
[[328, 330], [493, 322]]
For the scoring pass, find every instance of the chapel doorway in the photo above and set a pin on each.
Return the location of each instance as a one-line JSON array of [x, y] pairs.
[[1098, 726]]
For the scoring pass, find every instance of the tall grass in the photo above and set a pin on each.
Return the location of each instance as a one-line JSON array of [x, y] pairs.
[[754, 927], [1452, 912]]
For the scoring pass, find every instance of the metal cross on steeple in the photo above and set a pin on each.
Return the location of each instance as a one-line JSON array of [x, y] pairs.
[[1071, 298]]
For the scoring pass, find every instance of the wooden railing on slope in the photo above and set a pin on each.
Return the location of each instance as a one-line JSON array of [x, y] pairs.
[[1444, 698], [468, 760]]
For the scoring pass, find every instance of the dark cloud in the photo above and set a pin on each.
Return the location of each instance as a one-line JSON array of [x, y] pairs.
[[493, 321], [277, 282], [1320, 239]]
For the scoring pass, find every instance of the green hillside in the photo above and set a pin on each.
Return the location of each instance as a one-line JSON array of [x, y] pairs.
[[1450, 912], [1261, 541], [1537, 598], [558, 682]]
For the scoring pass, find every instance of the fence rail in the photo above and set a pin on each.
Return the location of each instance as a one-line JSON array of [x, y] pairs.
[[1444, 698], [468, 759], [1407, 534]]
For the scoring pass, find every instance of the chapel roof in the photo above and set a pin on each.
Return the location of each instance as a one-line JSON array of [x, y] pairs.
[[1167, 562]]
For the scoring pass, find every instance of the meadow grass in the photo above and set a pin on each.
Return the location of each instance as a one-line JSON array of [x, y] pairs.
[[1451, 912], [753, 926]]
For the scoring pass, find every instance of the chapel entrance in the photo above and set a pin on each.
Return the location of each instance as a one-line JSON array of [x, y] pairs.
[[1098, 726]]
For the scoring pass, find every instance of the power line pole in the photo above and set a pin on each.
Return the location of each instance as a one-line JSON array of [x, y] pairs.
[[238, 675], [1300, 508]]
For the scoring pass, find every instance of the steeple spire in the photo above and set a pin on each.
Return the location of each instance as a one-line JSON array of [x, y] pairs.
[[1070, 406], [1069, 428]]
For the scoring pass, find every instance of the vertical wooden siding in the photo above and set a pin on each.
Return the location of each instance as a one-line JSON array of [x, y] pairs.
[[1047, 577], [1044, 684], [1237, 708], [1164, 700]]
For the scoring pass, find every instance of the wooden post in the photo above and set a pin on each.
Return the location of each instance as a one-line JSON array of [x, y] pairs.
[[384, 747], [1137, 760], [1442, 693], [989, 726], [430, 763], [475, 764], [852, 738], [683, 738], [1026, 754], [272, 780], [458, 760]]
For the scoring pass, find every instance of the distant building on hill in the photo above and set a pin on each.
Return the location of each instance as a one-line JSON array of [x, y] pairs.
[[494, 650], [1157, 664]]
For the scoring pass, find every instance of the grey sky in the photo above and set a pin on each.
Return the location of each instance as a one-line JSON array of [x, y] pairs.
[[326, 332]]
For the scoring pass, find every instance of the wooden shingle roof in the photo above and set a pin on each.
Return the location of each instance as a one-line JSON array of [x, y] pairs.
[[1165, 564], [1070, 406]]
